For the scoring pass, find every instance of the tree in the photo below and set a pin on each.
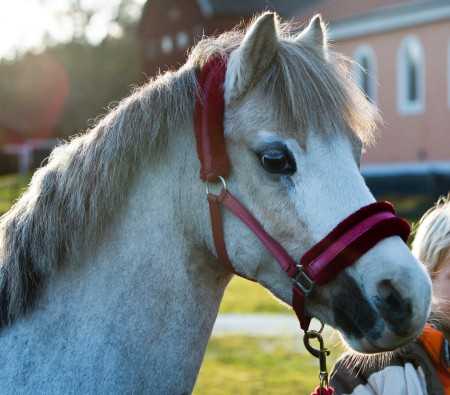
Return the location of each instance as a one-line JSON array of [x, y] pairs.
[[93, 21], [98, 73]]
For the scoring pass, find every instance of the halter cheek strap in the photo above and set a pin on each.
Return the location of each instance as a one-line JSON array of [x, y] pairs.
[[226, 199], [347, 242], [351, 239]]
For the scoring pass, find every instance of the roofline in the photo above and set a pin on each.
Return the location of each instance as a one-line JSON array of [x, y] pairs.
[[383, 169], [389, 19]]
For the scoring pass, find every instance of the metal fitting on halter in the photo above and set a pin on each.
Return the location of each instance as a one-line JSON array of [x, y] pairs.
[[224, 184], [303, 281]]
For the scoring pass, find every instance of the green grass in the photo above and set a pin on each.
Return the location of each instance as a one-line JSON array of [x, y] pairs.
[[244, 296], [11, 187], [259, 365]]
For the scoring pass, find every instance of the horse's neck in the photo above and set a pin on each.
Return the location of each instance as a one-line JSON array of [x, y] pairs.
[[146, 298], [160, 286]]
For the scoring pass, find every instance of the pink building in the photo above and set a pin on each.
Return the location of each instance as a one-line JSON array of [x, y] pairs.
[[405, 47]]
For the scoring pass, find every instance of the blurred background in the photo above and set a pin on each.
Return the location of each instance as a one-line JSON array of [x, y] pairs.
[[63, 62]]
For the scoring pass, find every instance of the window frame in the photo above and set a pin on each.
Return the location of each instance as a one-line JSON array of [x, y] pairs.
[[405, 105], [366, 51]]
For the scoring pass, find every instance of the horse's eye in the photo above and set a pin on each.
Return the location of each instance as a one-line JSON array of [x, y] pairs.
[[275, 161]]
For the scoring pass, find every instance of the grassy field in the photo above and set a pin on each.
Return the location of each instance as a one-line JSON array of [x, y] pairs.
[[259, 365], [243, 296], [11, 186]]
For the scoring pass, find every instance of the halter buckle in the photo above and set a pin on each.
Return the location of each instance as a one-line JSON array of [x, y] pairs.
[[222, 180], [303, 281]]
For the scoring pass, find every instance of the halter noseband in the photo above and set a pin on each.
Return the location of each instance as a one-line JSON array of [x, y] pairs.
[[347, 242]]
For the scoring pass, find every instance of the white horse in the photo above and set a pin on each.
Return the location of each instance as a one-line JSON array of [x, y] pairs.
[[109, 278]]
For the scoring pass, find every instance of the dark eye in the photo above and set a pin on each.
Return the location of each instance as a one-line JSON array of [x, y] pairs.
[[276, 161]]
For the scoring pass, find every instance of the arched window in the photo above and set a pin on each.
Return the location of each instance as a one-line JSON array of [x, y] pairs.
[[166, 44], [182, 40], [410, 77], [366, 70]]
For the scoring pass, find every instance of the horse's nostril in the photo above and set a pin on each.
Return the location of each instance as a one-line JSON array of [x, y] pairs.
[[396, 311], [384, 288]]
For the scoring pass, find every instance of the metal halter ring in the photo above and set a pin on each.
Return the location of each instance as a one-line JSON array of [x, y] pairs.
[[322, 326], [224, 184]]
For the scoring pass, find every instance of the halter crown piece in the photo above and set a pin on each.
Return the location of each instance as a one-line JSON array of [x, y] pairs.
[[347, 242]]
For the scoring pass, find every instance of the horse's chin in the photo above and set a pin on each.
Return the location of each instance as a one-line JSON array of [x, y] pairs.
[[387, 342]]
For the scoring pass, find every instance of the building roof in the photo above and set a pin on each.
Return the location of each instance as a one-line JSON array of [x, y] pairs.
[[398, 16], [355, 18], [244, 8]]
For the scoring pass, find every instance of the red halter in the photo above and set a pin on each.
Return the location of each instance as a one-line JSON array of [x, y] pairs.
[[347, 242]]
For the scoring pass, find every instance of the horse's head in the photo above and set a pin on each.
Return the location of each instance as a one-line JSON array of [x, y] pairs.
[[295, 124]]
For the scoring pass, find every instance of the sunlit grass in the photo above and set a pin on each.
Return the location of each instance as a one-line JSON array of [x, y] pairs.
[[11, 187], [259, 365], [244, 296]]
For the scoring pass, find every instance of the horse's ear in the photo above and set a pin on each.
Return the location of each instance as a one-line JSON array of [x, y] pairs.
[[252, 57], [315, 33]]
